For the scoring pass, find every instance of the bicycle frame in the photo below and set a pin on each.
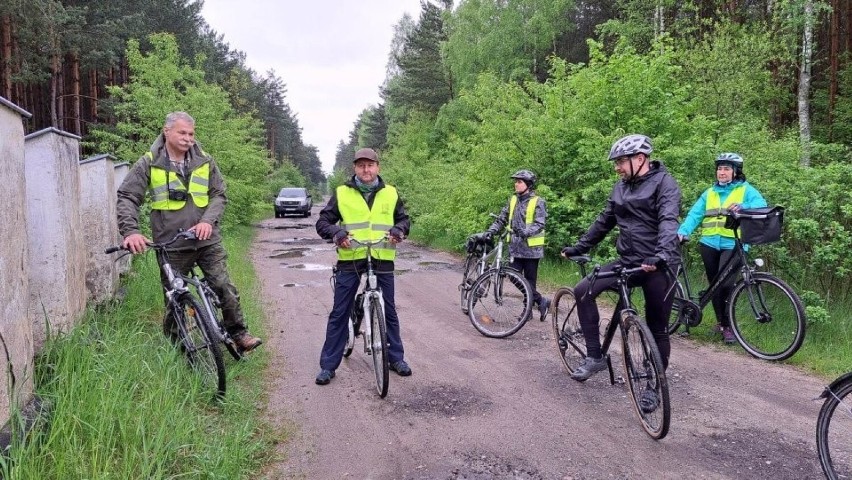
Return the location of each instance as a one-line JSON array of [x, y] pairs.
[[370, 291]]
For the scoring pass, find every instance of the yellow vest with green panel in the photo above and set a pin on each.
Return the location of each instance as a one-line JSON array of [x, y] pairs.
[[163, 180], [536, 240], [715, 210], [365, 223]]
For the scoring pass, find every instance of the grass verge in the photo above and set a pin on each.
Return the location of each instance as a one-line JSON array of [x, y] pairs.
[[124, 404]]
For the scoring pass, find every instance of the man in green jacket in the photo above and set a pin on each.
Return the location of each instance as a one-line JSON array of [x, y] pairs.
[[187, 193]]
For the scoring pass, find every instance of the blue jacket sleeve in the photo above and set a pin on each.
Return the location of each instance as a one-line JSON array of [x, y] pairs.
[[694, 217]]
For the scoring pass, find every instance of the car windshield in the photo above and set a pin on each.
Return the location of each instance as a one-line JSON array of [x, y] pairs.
[[292, 192]]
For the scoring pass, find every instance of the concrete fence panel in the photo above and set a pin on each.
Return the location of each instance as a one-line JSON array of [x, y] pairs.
[[16, 334], [57, 256], [97, 208]]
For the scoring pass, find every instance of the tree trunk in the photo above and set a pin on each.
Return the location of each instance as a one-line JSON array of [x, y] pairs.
[[76, 111], [834, 54], [93, 95], [54, 91], [805, 85], [6, 28]]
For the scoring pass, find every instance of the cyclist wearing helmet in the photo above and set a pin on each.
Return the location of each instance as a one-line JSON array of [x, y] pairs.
[[525, 212], [729, 192], [644, 205]]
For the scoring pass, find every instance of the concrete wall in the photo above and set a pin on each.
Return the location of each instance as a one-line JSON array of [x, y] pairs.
[[97, 208], [57, 256], [16, 335], [121, 171]]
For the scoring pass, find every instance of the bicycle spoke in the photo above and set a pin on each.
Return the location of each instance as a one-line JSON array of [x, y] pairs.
[[767, 318], [199, 345], [500, 303], [566, 329]]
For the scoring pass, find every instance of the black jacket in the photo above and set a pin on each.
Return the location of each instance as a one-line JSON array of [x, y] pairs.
[[646, 211], [328, 227]]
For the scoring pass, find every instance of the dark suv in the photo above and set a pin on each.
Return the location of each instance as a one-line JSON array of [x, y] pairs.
[[293, 200]]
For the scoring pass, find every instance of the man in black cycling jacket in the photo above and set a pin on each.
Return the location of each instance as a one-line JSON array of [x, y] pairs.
[[644, 205]]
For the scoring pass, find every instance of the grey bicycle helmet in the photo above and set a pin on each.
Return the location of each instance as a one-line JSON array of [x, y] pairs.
[[732, 159], [527, 176], [630, 145]]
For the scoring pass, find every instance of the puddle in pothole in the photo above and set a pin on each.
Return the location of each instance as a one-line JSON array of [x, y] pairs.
[[292, 284], [302, 241], [309, 266], [290, 253]]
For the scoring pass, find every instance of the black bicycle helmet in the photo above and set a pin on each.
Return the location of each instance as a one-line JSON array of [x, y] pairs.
[[630, 145], [732, 159], [527, 176]]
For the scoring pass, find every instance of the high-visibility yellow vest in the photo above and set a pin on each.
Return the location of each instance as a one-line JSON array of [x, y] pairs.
[[365, 223], [536, 240], [163, 180], [715, 210]]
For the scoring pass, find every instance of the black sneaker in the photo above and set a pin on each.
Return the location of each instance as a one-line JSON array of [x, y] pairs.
[[401, 368], [648, 401], [543, 308], [589, 367], [324, 377]]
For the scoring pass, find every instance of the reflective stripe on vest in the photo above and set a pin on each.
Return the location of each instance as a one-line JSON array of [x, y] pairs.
[[163, 180], [536, 240], [365, 223], [715, 210]]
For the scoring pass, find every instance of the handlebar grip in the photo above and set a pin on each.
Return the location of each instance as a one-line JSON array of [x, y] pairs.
[[113, 249]]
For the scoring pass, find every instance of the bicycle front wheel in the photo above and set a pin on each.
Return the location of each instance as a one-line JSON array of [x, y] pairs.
[[566, 329], [468, 277], [646, 377], [199, 344], [834, 432], [767, 317], [379, 346], [500, 302]]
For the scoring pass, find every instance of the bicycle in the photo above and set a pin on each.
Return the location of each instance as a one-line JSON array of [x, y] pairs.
[[643, 364], [480, 254], [499, 301], [834, 429], [195, 312], [370, 304], [767, 316]]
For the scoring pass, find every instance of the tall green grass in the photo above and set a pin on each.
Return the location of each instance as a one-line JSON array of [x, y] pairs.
[[123, 403]]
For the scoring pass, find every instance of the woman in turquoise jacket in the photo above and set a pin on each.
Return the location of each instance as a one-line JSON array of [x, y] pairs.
[[729, 192]]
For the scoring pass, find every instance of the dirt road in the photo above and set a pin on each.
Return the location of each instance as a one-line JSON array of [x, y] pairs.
[[480, 408]]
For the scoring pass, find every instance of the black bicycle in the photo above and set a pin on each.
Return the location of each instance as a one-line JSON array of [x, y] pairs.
[[834, 429], [643, 364], [767, 316], [370, 304], [499, 299], [194, 308]]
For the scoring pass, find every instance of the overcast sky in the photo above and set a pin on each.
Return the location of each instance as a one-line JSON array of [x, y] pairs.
[[331, 54]]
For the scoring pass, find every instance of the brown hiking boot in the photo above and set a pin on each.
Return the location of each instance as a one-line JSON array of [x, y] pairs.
[[246, 342]]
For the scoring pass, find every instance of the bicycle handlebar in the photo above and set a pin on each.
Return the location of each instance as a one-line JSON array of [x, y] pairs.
[[186, 234]]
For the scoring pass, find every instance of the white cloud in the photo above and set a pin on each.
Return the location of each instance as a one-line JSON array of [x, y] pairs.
[[331, 54]]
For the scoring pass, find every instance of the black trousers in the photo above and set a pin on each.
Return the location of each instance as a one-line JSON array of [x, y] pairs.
[[529, 268], [714, 260]]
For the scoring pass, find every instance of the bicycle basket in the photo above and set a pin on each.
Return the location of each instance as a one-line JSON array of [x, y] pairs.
[[758, 226]]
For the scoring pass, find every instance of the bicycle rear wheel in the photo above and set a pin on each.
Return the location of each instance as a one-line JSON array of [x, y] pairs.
[[646, 378], [468, 277], [767, 317], [199, 344], [834, 432], [566, 329], [676, 318], [500, 302], [379, 346]]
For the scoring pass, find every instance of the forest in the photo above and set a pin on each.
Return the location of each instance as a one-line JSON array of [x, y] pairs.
[[481, 88]]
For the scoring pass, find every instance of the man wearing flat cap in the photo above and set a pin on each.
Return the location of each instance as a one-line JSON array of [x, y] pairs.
[[364, 208]]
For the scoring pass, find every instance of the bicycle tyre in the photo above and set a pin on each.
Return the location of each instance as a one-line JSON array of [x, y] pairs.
[[676, 318], [644, 371], [570, 342], [780, 329], [500, 302], [199, 343], [468, 277], [834, 431], [379, 347]]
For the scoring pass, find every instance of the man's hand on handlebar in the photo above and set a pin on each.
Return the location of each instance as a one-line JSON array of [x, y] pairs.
[[136, 243], [202, 230]]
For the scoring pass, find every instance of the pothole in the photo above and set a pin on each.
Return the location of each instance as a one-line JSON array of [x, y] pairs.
[[302, 241], [290, 253], [310, 266], [445, 400], [408, 255], [292, 284], [433, 265]]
